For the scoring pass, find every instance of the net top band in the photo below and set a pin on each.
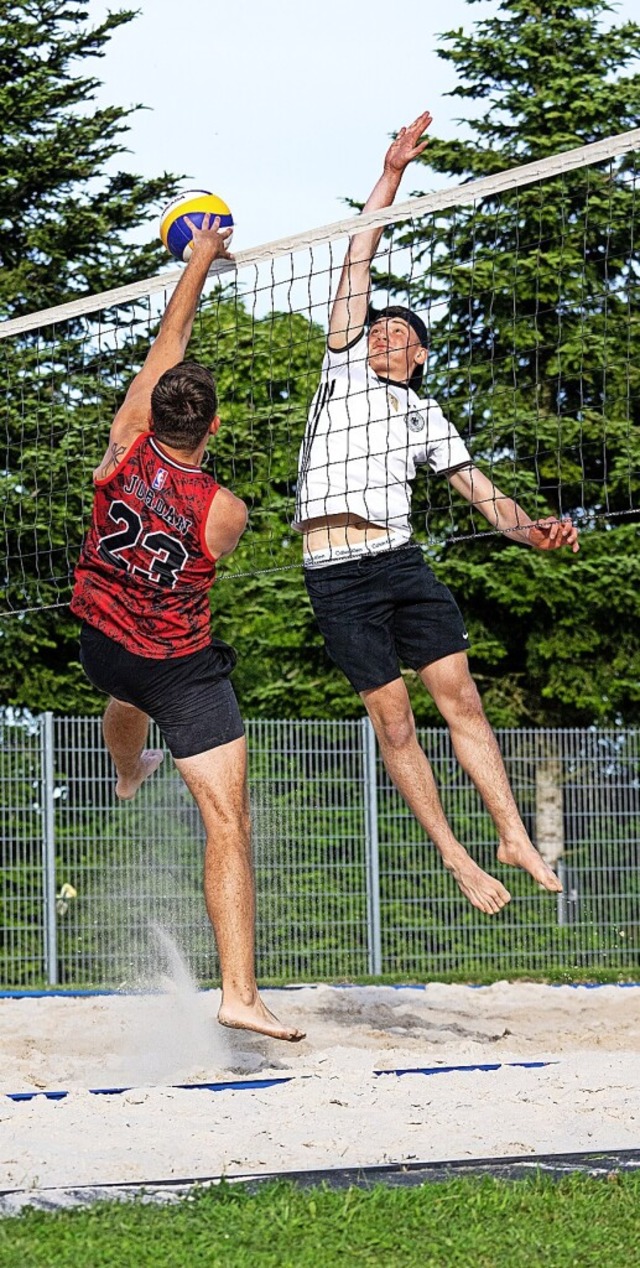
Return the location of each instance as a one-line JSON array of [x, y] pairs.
[[458, 195]]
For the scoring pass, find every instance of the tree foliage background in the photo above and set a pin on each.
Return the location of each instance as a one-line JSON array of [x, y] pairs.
[[536, 351], [68, 227], [534, 373]]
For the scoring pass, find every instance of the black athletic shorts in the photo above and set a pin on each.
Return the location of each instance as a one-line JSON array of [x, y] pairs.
[[379, 611], [189, 697]]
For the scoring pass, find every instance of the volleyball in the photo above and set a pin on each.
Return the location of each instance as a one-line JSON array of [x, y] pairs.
[[196, 204]]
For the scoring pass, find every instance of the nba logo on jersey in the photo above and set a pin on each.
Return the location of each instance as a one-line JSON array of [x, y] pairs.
[[159, 479]]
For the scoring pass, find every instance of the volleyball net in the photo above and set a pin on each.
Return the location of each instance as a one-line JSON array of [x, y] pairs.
[[528, 282]]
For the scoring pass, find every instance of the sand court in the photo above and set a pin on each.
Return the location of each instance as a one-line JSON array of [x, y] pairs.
[[565, 1078]]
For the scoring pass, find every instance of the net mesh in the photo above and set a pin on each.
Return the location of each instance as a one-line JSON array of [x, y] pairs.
[[528, 283]]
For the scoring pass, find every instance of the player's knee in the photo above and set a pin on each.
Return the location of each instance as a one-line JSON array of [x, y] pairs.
[[463, 701], [229, 834], [233, 820], [397, 731]]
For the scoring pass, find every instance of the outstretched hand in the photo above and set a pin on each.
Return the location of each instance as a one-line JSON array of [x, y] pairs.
[[211, 238], [407, 145], [552, 533]]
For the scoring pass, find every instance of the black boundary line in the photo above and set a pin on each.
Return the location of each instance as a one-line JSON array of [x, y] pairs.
[[514, 1167]]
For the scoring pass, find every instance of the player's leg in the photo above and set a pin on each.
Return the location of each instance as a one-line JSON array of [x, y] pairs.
[[194, 705], [125, 726], [390, 711], [450, 684], [431, 637], [217, 780], [125, 729], [355, 606]]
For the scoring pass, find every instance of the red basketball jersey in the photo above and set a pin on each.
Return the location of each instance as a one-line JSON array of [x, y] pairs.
[[145, 571]]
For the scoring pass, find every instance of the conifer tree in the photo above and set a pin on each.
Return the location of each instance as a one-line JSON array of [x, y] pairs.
[[71, 223], [535, 357], [66, 217]]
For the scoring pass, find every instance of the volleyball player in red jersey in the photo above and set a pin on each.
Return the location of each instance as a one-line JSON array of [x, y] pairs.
[[160, 524]]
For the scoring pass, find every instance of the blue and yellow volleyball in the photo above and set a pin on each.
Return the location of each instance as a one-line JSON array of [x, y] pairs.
[[195, 203]]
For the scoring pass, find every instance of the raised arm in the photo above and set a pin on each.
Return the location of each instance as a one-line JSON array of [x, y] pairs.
[[509, 518], [170, 344], [349, 311]]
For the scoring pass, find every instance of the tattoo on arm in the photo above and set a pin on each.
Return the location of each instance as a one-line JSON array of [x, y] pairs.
[[113, 458]]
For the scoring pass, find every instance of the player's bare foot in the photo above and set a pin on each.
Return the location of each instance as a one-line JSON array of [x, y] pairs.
[[257, 1017], [483, 891], [521, 853], [127, 787]]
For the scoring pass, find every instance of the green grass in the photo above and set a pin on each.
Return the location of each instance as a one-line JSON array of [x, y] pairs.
[[464, 1223]]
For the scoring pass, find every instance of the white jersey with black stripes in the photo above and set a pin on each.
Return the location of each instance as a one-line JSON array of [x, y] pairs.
[[365, 438]]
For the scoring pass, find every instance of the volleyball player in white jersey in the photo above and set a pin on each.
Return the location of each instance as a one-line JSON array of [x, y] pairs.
[[375, 599]]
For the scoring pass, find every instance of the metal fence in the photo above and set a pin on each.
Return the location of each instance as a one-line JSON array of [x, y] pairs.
[[347, 883]]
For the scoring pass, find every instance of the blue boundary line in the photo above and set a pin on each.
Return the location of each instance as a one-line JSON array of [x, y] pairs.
[[231, 1085], [253, 1085], [55, 993], [456, 1069]]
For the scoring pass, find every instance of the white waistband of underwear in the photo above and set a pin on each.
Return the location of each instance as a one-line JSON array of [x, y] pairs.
[[342, 554]]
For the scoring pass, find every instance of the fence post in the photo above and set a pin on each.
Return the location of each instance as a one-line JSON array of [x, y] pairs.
[[372, 859], [49, 854]]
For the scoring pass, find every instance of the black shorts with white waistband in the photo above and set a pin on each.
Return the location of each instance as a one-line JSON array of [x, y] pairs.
[[190, 698], [379, 611]]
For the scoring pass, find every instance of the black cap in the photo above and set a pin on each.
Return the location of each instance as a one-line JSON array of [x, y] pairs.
[[417, 325]]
